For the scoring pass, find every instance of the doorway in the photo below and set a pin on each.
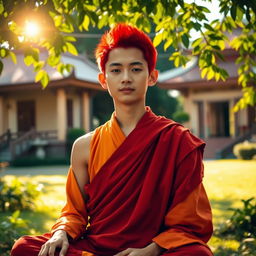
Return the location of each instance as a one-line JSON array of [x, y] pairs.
[[25, 115], [219, 119]]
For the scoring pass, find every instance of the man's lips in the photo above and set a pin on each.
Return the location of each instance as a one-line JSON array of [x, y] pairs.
[[126, 89]]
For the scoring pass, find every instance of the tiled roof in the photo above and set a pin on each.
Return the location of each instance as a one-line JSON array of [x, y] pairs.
[[20, 73]]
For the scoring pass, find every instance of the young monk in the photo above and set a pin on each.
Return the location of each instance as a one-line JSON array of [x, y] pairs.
[[135, 184]]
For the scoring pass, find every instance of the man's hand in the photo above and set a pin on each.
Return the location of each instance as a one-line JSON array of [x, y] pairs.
[[151, 250], [58, 240]]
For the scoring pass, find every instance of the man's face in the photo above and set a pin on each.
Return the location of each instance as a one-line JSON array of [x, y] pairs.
[[126, 75]]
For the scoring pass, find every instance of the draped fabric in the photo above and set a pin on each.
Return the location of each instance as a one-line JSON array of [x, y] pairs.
[[144, 187]]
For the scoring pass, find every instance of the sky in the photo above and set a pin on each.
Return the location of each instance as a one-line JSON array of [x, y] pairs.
[[213, 6]]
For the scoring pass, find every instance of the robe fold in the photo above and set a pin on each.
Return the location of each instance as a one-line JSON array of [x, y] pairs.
[[143, 188]]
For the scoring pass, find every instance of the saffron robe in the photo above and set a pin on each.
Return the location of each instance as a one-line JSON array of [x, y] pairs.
[[146, 190]]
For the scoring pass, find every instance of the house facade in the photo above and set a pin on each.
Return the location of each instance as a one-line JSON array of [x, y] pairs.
[[210, 106], [32, 116]]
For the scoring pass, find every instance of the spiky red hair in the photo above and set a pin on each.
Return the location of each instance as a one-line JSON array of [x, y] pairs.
[[125, 36]]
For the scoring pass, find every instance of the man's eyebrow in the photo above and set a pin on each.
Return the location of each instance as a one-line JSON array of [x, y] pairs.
[[114, 64], [136, 63]]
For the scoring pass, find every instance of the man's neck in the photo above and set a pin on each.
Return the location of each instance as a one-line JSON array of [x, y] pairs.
[[129, 116]]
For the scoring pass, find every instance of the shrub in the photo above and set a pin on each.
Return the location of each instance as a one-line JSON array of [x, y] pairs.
[[35, 161], [18, 195], [245, 150], [181, 117], [72, 135], [242, 223], [247, 247], [11, 228]]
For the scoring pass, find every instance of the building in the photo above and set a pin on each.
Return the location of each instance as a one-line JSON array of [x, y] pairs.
[[34, 117], [210, 106]]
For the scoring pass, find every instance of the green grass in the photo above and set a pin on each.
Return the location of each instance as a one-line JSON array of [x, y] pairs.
[[226, 183], [48, 205]]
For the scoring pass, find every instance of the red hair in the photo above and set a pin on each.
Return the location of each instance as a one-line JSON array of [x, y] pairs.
[[125, 36]]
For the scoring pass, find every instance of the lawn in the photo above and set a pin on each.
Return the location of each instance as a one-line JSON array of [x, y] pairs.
[[226, 182]]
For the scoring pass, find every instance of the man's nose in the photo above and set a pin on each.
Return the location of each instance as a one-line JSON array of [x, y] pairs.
[[126, 78]]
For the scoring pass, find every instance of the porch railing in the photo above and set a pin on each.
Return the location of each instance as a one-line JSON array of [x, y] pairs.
[[25, 141], [225, 152], [7, 137]]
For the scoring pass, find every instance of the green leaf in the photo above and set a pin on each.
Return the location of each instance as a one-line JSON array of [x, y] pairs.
[[146, 25], [13, 57], [86, 22], [197, 42], [239, 13], [177, 61], [1, 7], [204, 71], [209, 27], [39, 75], [61, 68], [58, 20], [197, 26], [233, 11], [3, 52], [33, 53], [45, 80], [158, 39], [168, 44], [69, 68], [103, 21], [185, 40], [16, 214], [69, 39], [53, 60], [71, 48], [43, 77], [38, 66], [204, 9], [28, 60], [210, 74]]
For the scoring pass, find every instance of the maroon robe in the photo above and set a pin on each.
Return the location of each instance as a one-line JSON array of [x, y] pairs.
[[131, 194]]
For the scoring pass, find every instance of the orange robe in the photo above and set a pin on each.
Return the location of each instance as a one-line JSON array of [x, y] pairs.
[[188, 222], [194, 210]]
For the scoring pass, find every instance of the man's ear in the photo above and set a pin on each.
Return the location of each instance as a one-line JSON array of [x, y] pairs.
[[153, 78], [102, 80]]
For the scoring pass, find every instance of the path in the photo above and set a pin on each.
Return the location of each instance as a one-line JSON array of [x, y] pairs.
[[33, 171]]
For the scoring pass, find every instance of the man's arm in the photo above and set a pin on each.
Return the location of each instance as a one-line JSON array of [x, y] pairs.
[[79, 161], [189, 221]]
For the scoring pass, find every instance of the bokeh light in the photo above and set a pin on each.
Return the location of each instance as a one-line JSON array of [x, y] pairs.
[[32, 29]]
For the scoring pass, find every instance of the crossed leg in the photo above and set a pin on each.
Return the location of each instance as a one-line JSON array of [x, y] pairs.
[[30, 245]]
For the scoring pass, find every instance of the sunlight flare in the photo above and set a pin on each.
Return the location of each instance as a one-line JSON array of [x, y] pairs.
[[32, 29]]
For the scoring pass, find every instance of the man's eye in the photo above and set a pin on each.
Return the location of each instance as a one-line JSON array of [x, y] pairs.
[[115, 70], [136, 69]]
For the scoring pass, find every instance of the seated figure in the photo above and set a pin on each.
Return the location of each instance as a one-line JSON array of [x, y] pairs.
[[134, 185]]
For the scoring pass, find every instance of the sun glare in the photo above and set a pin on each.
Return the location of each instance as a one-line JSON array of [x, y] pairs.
[[32, 29]]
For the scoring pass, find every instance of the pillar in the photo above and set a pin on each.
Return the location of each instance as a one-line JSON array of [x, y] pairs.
[[61, 114], [232, 124], [12, 115], [1, 115], [206, 119], [86, 111]]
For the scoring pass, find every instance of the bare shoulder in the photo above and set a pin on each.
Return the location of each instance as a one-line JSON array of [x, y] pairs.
[[81, 149]]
